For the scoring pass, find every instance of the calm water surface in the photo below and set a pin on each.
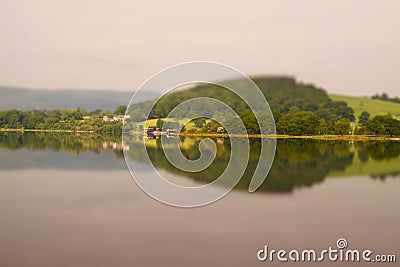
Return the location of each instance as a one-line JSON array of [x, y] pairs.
[[68, 200]]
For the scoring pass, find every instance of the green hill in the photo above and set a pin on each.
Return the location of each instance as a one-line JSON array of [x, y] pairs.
[[372, 106], [284, 94]]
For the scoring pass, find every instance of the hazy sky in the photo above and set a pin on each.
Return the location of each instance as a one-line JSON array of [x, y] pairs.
[[350, 47]]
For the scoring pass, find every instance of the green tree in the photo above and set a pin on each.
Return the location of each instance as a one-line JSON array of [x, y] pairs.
[[14, 121], [97, 112], [323, 127], [234, 125], [342, 127], [298, 123], [200, 122], [159, 124], [383, 125], [363, 118], [212, 126], [120, 110], [250, 122]]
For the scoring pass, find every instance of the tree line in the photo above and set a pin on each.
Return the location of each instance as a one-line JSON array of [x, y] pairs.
[[298, 109], [67, 119], [292, 123], [386, 97], [306, 123]]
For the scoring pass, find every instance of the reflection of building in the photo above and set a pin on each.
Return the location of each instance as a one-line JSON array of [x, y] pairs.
[[114, 145], [151, 129], [151, 136], [172, 131]]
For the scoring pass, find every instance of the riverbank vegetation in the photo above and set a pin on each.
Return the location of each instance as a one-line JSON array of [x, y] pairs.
[[297, 109], [64, 120]]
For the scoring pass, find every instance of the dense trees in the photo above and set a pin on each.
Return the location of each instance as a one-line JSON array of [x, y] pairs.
[[159, 124], [383, 125], [120, 110], [69, 119], [298, 123], [250, 122], [298, 108], [363, 118], [200, 122], [342, 127], [212, 126], [284, 96], [293, 123], [386, 97]]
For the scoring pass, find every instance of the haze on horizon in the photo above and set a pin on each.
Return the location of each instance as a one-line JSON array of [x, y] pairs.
[[346, 47]]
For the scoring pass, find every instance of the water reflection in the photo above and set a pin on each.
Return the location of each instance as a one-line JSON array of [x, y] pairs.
[[66, 142], [297, 163], [60, 151]]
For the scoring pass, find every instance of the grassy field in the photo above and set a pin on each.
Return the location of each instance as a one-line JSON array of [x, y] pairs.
[[358, 103], [153, 122], [373, 106]]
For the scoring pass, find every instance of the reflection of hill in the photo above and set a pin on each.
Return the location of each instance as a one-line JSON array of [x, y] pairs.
[[298, 163], [375, 158], [304, 163], [69, 142]]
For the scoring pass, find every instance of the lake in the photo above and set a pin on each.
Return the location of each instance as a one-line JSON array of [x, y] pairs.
[[69, 200]]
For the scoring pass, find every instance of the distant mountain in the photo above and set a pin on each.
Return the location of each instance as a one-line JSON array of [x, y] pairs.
[[24, 99]]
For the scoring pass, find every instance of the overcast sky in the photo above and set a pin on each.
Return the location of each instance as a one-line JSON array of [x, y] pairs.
[[349, 47]]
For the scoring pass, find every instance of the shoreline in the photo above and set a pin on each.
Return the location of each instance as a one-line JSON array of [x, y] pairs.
[[225, 135], [314, 137], [43, 131]]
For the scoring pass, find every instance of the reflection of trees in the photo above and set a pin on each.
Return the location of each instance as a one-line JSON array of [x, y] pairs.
[[383, 177], [379, 150], [300, 163], [68, 142], [297, 162]]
